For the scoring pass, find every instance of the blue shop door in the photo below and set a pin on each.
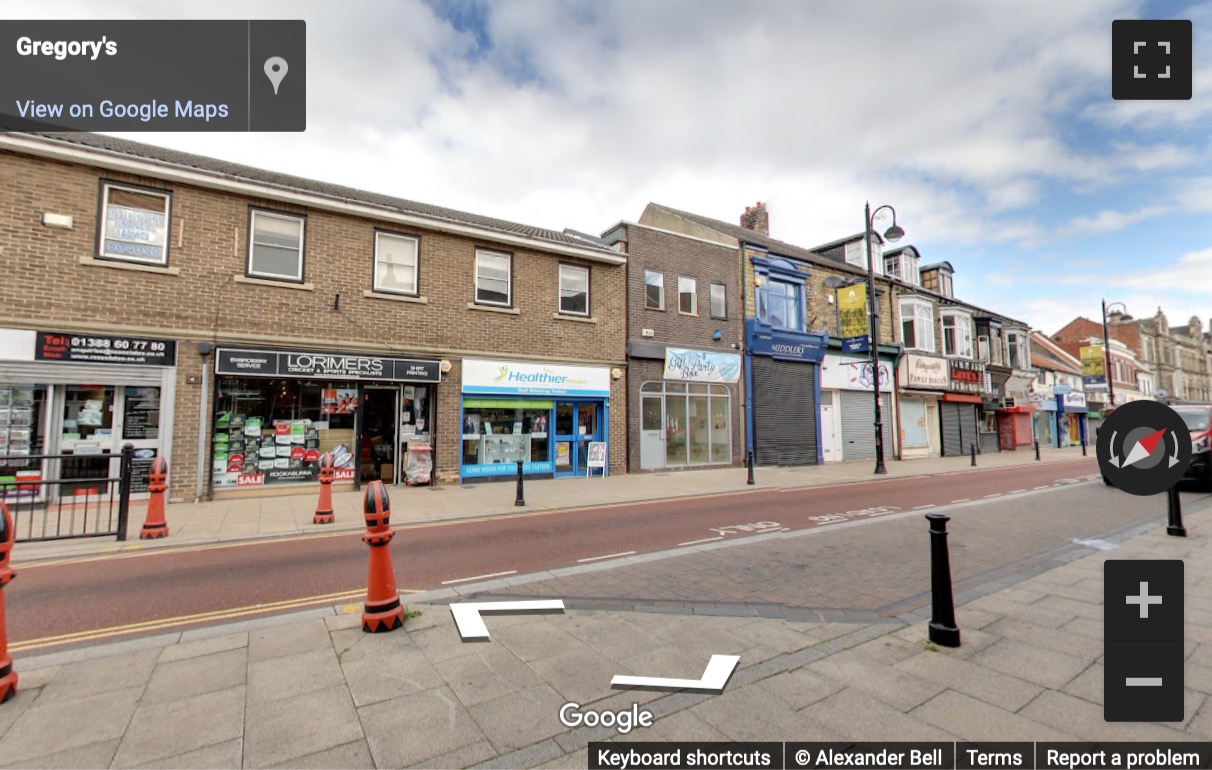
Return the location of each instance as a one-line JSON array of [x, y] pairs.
[[576, 424]]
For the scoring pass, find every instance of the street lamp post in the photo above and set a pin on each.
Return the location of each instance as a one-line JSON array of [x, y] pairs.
[[894, 233], [1107, 355]]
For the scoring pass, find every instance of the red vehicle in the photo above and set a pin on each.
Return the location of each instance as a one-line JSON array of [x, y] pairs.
[[1199, 421]]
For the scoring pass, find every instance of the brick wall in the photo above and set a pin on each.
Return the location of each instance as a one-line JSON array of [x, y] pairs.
[[47, 286]]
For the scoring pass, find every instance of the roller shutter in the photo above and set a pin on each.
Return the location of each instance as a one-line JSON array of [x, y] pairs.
[[959, 427], [858, 426], [784, 412]]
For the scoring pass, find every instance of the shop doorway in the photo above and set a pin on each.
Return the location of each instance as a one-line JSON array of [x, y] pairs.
[[378, 456], [576, 424]]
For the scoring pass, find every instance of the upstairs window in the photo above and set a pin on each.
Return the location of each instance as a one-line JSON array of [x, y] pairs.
[[574, 290], [493, 274], [134, 225], [395, 263], [654, 290], [957, 334], [779, 304], [275, 248], [719, 300], [688, 295], [917, 324], [856, 254], [905, 267], [1018, 350], [945, 286]]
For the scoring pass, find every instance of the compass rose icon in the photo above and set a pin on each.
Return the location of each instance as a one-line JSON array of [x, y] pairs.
[[1144, 448]]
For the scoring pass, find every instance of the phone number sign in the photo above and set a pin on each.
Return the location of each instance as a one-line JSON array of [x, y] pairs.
[[105, 349]]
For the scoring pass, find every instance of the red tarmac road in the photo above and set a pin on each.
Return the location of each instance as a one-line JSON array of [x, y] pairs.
[[53, 599]]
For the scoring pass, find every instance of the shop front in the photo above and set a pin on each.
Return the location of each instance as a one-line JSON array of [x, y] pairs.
[[686, 411], [1045, 418], [548, 416], [84, 396], [277, 411], [783, 383], [923, 382], [1072, 412], [848, 406], [1015, 423]]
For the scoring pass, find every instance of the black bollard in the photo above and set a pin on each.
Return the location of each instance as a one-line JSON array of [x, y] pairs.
[[972, 451], [942, 625], [1083, 447], [1037, 451], [521, 498], [749, 462], [1174, 510]]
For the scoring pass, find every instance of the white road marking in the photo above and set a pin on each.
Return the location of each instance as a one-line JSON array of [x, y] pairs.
[[1014, 491], [714, 678], [704, 540], [479, 577], [995, 494], [1042, 486], [607, 556], [962, 500], [923, 507], [471, 626]]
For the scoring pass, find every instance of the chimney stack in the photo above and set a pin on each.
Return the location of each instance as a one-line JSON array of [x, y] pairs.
[[756, 218]]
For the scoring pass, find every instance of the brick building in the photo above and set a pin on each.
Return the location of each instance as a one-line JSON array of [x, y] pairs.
[[240, 321], [683, 362], [1128, 372]]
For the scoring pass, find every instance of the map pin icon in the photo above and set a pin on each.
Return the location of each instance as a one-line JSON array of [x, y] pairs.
[[275, 70]]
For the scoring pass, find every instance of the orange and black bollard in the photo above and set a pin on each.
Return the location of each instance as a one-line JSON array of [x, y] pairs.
[[324, 514], [8, 533], [155, 526], [382, 611]]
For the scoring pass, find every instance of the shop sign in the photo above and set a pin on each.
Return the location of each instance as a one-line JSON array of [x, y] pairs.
[[701, 366], [506, 469], [522, 378], [1075, 401], [926, 372], [838, 373], [967, 376], [272, 363], [104, 349], [1062, 389], [791, 346]]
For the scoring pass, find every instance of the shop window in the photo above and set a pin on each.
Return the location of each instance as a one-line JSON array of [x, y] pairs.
[[141, 414], [396, 263], [719, 300], [688, 295], [493, 272], [697, 421], [134, 224], [574, 290], [273, 431], [275, 248], [504, 430], [22, 410], [654, 290]]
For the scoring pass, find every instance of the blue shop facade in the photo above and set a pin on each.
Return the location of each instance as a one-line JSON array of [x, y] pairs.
[[783, 387]]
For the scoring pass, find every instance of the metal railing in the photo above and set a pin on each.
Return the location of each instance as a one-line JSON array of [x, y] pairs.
[[70, 504]]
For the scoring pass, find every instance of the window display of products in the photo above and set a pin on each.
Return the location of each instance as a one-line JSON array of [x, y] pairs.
[[273, 431], [21, 410], [497, 431]]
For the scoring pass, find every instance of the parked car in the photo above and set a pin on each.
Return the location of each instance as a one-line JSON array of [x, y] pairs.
[[1199, 421]]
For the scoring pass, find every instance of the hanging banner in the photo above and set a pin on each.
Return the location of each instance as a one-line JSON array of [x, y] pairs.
[[1093, 370], [701, 366], [852, 310]]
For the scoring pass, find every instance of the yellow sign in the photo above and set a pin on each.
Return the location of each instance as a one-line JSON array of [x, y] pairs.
[[852, 310], [1092, 360]]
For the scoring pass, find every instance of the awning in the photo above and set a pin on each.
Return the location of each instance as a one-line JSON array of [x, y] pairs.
[[1017, 410], [963, 398]]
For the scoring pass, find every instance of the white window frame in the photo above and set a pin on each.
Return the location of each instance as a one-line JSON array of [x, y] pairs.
[[416, 260], [964, 348], [855, 254], [252, 243], [694, 295], [918, 319], [104, 223], [574, 269], [945, 285], [1023, 360], [659, 283], [723, 314], [508, 277]]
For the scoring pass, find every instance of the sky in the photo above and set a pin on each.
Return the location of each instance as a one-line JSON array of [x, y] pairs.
[[989, 127]]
